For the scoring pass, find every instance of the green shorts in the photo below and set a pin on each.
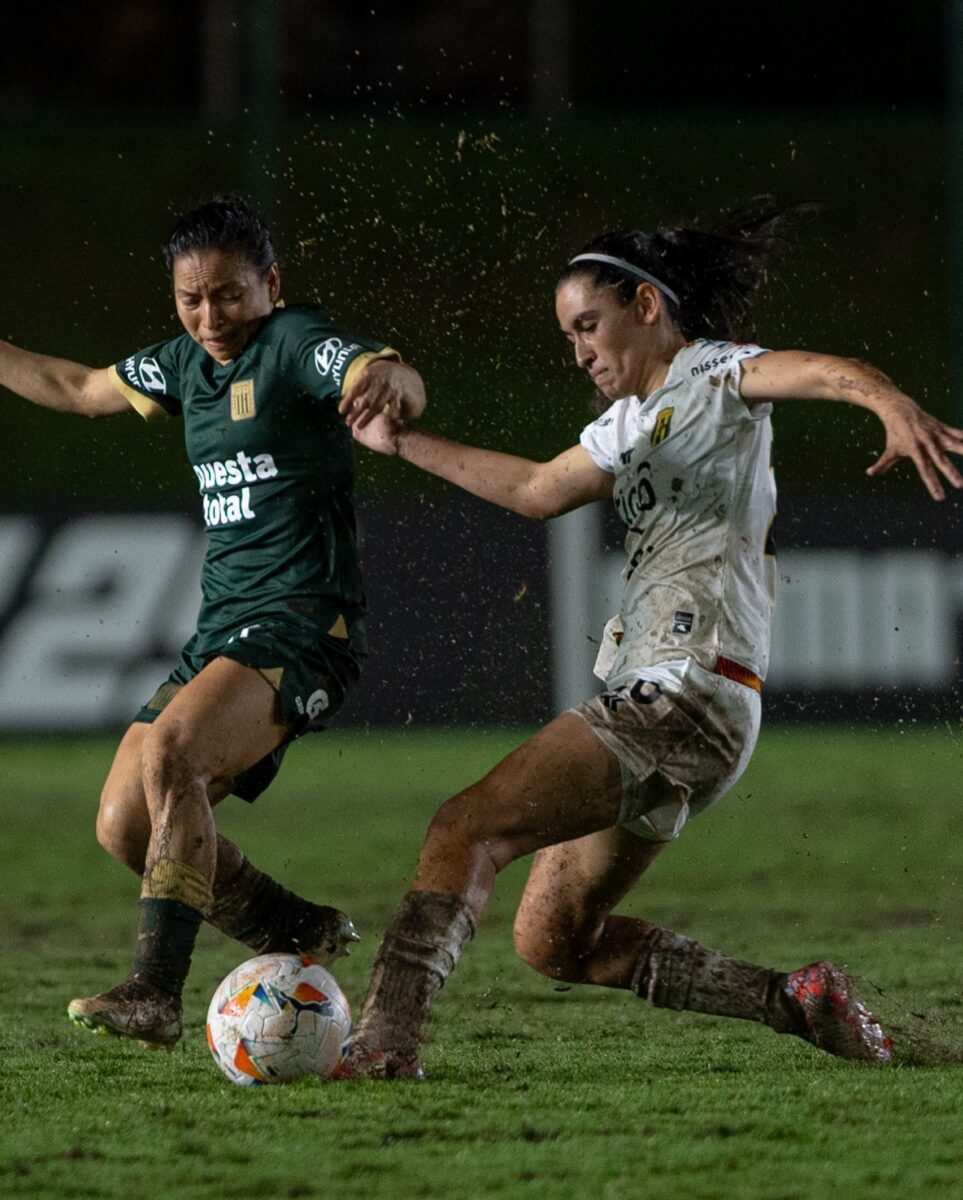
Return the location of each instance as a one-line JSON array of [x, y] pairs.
[[311, 674]]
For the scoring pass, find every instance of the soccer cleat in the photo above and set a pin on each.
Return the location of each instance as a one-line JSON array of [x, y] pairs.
[[134, 1009], [359, 1063], [835, 1020], [328, 936]]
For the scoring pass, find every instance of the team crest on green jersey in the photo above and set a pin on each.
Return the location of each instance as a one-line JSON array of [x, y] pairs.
[[660, 430], [242, 400]]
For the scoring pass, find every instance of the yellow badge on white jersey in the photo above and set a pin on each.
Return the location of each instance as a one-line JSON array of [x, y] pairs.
[[660, 430]]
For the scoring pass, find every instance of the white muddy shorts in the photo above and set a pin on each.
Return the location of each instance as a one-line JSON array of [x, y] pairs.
[[683, 736]]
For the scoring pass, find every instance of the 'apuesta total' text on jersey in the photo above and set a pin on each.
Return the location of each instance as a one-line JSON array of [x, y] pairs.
[[273, 461], [694, 487]]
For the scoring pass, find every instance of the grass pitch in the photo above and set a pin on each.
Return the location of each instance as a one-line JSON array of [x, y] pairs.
[[838, 843]]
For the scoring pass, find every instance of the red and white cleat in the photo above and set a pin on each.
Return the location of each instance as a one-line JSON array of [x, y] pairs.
[[836, 1021], [360, 1063]]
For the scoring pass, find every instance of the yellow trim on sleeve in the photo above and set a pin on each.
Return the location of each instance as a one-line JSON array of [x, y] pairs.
[[358, 365], [149, 409]]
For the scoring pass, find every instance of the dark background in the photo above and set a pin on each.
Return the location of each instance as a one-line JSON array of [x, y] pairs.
[[428, 167], [482, 52]]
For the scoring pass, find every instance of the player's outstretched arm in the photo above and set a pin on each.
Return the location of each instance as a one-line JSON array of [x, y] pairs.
[[385, 385], [534, 489], [911, 432], [56, 383]]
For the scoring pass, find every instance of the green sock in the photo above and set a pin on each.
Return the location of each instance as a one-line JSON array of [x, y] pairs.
[[166, 933], [258, 911]]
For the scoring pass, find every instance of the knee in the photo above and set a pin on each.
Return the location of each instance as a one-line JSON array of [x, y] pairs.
[[469, 824], [166, 761], [123, 837], [548, 950], [455, 823]]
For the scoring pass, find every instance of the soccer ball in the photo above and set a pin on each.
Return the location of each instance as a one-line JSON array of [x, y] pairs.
[[275, 1018]]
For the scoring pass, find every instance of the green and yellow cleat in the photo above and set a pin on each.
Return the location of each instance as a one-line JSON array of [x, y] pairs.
[[134, 1009]]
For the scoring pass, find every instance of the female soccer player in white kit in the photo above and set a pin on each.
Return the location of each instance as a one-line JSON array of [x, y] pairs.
[[683, 449]]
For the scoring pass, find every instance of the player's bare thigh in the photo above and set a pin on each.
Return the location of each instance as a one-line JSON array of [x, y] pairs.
[[218, 725], [123, 818], [571, 890], [562, 783]]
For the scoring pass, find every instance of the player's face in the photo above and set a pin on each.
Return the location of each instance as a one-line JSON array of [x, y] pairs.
[[612, 341], [222, 299]]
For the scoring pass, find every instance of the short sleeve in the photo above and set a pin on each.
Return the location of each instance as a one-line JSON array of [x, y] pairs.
[[732, 384], [326, 358], [600, 440], [150, 381]]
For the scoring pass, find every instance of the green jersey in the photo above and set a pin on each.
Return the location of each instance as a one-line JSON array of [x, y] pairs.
[[274, 464]]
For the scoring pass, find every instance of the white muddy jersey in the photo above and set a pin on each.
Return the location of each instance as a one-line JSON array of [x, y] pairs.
[[694, 487]]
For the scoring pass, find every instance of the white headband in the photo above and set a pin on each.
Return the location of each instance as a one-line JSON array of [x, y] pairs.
[[632, 270]]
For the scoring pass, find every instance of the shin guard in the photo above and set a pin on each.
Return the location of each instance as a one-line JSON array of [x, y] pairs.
[[426, 938], [676, 972], [172, 900]]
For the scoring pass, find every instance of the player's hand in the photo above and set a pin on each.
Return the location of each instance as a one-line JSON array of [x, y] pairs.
[[912, 433], [380, 432], [384, 386]]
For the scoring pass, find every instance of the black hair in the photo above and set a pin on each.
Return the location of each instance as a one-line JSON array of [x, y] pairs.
[[715, 272], [227, 222]]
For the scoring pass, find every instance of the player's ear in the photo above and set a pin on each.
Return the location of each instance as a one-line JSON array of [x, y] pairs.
[[274, 281], [647, 303]]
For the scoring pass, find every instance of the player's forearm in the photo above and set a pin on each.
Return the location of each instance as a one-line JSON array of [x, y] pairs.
[[50, 382], [413, 399], [501, 478], [801, 375], [859, 383], [383, 384]]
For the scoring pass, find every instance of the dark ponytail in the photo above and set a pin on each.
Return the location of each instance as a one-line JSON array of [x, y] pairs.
[[714, 272]]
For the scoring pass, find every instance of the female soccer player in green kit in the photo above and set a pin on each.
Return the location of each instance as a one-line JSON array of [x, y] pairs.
[[280, 635]]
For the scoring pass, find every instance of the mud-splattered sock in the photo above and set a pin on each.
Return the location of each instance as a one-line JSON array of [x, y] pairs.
[[676, 972], [173, 897], [425, 940], [259, 912]]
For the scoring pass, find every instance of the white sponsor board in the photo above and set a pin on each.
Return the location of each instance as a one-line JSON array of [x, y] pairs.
[[93, 617], [100, 613]]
